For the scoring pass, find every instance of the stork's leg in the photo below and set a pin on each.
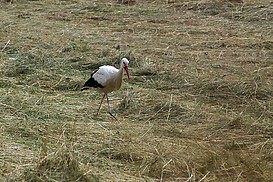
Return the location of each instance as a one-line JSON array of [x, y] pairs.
[[109, 107], [101, 103]]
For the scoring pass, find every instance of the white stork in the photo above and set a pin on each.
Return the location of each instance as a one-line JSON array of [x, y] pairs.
[[107, 79]]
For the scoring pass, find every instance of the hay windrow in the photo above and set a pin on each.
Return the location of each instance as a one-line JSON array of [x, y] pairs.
[[198, 106]]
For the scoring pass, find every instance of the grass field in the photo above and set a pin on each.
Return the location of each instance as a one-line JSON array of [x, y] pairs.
[[199, 106]]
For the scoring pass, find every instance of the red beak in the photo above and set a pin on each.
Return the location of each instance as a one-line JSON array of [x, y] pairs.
[[127, 72]]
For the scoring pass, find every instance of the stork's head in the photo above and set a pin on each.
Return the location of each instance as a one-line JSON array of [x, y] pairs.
[[124, 64]]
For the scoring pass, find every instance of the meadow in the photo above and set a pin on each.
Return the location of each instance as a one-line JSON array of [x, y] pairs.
[[198, 107]]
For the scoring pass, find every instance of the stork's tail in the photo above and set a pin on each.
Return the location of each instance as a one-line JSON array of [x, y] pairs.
[[85, 88]]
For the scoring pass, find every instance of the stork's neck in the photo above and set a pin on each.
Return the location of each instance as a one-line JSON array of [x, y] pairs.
[[118, 78], [120, 72], [120, 65]]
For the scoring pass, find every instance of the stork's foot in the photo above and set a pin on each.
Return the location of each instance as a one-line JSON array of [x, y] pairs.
[[112, 115]]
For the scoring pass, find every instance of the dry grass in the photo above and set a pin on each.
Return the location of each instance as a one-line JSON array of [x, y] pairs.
[[199, 106]]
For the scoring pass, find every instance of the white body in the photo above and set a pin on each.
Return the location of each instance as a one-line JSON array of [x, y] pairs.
[[109, 77]]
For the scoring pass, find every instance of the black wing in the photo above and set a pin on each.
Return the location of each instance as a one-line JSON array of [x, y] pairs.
[[91, 83]]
